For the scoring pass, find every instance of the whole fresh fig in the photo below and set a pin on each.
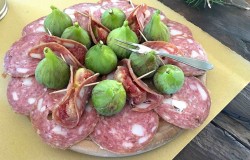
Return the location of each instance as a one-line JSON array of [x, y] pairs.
[[123, 33], [78, 34], [108, 97], [144, 63], [156, 30], [56, 22], [168, 79], [113, 18], [101, 59], [52, 71]]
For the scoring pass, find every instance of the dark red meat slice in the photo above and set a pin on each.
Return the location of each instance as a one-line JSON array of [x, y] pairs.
[[189, 107], [127, 131], [172, 49], [34, 27], [137, 18], [68, 112], [152, 100], [98, 32], [17, 62], [22, 94], [54, 134], [59, 50], [77, 49], [134, 93]]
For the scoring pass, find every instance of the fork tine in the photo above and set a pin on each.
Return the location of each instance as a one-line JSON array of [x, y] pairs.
[[125, 47], [129, 43]]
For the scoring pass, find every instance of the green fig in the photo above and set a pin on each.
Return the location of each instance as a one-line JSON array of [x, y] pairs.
[[168, 79], [156, 30], [52, 71], [144, 63], [78, 34], [101, 59], [56, 22], [113, 18], [108, 97], [123, 33]]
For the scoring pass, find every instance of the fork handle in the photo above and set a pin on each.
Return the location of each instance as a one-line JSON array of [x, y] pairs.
[[196, 63]]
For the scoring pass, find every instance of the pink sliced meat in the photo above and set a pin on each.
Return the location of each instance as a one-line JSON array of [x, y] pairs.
[[34, 27], [98, 32], [127, 131], [59, 50], [77, 49], [22, 94], [124, 5], [153, 99], [68, 112], [134, 93], [173, 49], [17, 62], [76, 13], [189, 107], [137, 18], [54, 134]]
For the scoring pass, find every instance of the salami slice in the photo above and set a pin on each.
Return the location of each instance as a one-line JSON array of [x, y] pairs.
[[54, 134], [22, 94], [68, 112], [173, 49], [124, 5], [189, 107], [77, 49], [34, 27], [17, 62], [59, 50], [127, 131]]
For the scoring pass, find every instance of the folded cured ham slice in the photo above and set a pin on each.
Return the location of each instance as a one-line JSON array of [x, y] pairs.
[[53, 133], [189, 107], [137, 89], [68, 112], [77, 49], [22, 94], [175, 50], [59, 50], [126, 132]]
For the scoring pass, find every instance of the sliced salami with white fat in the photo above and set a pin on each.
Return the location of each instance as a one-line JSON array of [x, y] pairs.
[[22, 94], [54, 134], [127, 131], [17, 62], [189, 107], [34, 27]]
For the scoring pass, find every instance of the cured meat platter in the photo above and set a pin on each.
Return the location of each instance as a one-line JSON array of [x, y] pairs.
[[151, 123]]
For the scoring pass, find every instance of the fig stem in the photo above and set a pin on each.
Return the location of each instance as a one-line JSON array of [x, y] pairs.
[[76, 24], [125, 24], [111, 11], [53, 7]]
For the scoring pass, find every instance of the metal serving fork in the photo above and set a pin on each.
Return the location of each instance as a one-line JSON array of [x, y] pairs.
[[139, 48]]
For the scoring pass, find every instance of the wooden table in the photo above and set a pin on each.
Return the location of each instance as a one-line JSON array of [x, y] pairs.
[[228, 135]]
